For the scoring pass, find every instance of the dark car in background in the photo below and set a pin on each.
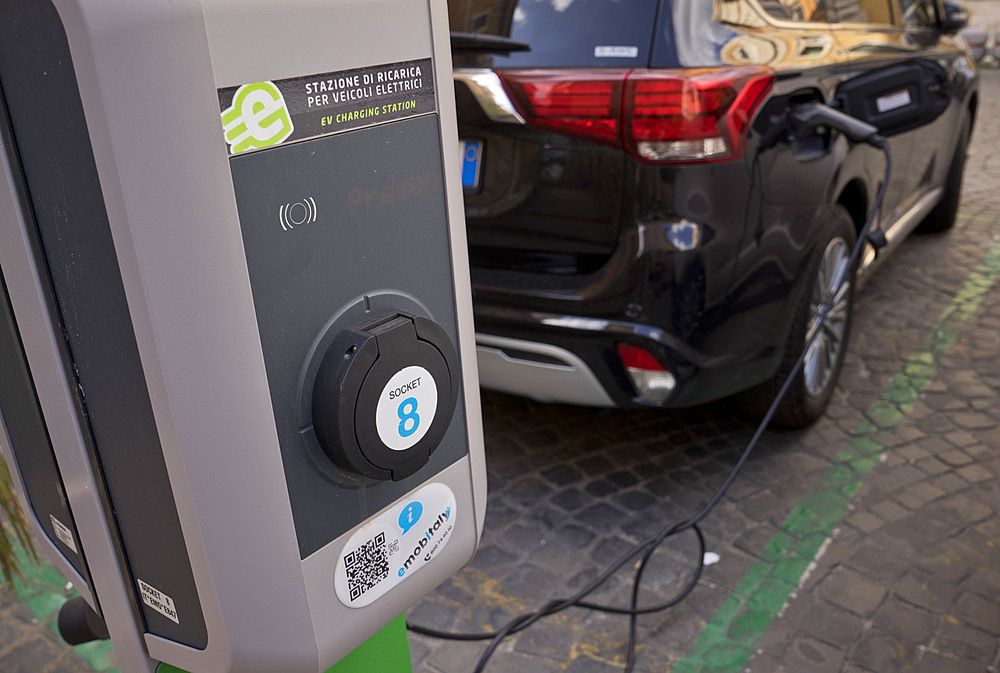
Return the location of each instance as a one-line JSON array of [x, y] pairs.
[[647, 228]]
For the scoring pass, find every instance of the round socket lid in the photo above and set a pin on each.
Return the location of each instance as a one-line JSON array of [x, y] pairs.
[[384, 395]]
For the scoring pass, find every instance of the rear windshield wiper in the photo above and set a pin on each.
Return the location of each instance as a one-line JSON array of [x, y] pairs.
[[485, 44]]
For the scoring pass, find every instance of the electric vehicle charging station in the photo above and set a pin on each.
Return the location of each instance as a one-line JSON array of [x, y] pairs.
[[235, 319]]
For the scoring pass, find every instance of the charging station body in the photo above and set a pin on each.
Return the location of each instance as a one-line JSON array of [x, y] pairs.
[[236, 309]]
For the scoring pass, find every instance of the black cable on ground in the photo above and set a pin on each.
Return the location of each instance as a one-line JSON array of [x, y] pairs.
[[648, 547]]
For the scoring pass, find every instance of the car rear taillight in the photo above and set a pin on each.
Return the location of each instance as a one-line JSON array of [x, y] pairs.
[[585, 104], [702, 114], [658, 116], [652, 381]]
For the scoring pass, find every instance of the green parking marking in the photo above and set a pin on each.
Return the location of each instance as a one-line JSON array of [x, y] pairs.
[[43, 591], [728, 639], [977, 218]]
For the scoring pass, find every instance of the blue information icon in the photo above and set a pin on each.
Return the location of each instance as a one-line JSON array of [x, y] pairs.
[[410, 515]]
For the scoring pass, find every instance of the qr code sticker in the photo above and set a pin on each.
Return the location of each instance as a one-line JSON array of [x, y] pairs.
[[366, 566]]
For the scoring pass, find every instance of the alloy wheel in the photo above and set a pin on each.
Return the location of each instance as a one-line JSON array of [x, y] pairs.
[[832, 281]]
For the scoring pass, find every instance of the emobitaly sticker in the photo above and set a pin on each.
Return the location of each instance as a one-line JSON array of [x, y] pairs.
[[265, 114], [389, 549]]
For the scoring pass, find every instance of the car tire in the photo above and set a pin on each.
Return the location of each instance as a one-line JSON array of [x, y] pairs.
[[942, 218], [815, 381]]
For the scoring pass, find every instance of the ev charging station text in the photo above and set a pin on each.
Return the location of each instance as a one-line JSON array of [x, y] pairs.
[[326, 103]]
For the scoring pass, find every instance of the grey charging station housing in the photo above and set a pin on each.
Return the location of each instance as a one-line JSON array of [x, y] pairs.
[[239, 395]]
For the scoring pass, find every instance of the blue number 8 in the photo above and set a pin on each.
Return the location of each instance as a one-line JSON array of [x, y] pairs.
[[411, 415]]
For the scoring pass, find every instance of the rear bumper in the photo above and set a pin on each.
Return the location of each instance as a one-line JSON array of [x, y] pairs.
[[572, 360]]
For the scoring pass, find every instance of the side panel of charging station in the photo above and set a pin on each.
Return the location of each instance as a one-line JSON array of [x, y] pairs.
[[248, 263], [73, 241], [26, 436]]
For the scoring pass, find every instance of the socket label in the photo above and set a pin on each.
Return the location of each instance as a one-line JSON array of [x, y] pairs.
[[63, 533], [159, 601], [406, 408]]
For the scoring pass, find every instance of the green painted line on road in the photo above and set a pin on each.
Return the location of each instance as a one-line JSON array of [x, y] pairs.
[[977, 218], [728, 640]]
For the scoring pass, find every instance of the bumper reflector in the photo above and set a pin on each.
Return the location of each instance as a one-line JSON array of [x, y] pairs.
[[653, 381]]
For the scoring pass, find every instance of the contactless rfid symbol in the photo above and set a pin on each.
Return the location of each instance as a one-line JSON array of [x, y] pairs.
[[291, 215], [258, 118]]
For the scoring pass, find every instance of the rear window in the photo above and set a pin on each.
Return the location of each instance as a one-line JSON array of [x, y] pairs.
[[563, 33]]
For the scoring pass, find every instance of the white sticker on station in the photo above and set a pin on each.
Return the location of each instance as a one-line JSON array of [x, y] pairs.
[[389, 549], [63, 533], [893, 101], [406, 408], [159, 601]]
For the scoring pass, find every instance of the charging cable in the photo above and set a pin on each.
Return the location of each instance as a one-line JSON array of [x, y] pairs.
[[799, 120]]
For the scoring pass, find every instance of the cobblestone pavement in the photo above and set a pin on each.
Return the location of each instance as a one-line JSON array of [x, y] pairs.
[[865, 543], [29, 641]]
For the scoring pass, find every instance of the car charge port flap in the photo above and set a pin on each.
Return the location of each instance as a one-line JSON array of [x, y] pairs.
[[896, 98]]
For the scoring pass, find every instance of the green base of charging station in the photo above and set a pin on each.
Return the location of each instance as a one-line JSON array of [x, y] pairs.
[[388, 651]]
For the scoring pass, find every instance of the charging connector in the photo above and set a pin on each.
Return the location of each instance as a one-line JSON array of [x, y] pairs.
[[807, 117]]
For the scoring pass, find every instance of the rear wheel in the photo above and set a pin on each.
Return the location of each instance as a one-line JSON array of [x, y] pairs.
[[815, 381], [942, 218]]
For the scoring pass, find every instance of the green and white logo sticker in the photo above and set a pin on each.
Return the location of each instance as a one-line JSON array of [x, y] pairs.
[[258, 118]]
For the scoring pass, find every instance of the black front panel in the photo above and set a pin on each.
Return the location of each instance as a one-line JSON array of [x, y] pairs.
[[326, 222], [29, 442], [75, 246]]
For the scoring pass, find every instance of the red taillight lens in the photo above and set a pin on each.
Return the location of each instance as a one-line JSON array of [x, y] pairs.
[[634, 357], [656, 115], [692, 115], [653, 382], [578, 103]]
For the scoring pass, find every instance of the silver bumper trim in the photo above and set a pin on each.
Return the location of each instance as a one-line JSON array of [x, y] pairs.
[[567, 380], [489, 93]]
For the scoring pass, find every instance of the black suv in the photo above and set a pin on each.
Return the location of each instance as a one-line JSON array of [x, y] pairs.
[[647, 225]]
